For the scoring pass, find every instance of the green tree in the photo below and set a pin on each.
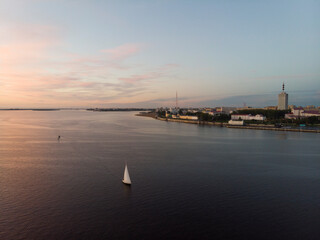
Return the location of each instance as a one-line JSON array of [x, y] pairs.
[[270, 114], [204, 117], [221, 118]]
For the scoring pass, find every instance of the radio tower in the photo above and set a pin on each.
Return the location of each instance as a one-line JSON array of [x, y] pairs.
[[177, 100]]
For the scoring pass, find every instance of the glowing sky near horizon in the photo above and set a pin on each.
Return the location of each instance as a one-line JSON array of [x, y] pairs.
[[94, 53]]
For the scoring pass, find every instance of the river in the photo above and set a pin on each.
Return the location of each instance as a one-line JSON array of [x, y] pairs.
[[188, 181]]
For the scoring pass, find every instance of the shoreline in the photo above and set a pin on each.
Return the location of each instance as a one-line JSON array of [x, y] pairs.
[[220, 124]]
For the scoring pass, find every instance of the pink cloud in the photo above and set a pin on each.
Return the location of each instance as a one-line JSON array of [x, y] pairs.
[[160, 72], [138, 78], [122, 52], [35, 71], [24, 45]]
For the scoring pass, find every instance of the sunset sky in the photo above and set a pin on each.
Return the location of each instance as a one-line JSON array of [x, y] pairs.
[[98, 53]]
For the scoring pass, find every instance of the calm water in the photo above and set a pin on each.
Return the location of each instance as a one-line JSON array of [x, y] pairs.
[[189, 181]]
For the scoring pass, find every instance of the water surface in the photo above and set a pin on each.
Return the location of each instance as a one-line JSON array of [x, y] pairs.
[[189, 181]]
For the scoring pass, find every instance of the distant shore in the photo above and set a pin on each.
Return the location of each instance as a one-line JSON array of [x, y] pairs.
[[31, 109], [147, 114], [119, 109], [221, 124]]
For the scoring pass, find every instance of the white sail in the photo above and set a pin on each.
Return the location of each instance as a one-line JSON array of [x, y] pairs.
[[126, 177]]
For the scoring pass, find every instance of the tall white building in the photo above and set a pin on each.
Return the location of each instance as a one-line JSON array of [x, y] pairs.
[[283, 100]]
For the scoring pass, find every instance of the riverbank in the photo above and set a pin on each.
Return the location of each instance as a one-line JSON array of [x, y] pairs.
[[253, 126], [276, 129], [147, 114]]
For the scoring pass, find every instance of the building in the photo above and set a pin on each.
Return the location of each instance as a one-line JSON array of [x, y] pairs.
[[226, 110], [257, 117], [311, 113], [310, 107], [292, 106], [297, 113], [283, 100], [236, 123], [189, 117]]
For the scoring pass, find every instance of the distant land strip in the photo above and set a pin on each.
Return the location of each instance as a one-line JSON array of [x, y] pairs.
[[88, 109], [31, 109], [119, 109], [220, 124]]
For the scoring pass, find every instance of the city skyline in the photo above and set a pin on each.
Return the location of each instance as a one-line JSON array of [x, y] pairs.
[[138, 54]]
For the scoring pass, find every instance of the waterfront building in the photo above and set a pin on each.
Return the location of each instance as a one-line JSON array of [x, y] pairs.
[[283, 100], [193, 110], [236, 122], [214, 112], [311, 113], [174, 111], [299, 112], [257, 117], [226, 110], [189, 117]]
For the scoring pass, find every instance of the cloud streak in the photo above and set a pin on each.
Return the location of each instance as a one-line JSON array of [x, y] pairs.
[[134, 79], [34, 71], [122, 52]]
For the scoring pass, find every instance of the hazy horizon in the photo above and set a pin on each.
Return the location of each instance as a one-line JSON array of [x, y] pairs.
[[259, 101]]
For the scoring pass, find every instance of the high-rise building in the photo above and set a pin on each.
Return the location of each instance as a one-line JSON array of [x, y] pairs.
[[283, 100]]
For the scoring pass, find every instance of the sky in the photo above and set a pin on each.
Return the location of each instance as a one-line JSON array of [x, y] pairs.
[[124, 53]]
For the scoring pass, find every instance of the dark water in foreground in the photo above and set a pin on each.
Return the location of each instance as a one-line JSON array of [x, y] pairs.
[[189, 181]]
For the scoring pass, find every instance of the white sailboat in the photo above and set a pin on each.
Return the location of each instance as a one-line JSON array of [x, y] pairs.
[[126, 178]]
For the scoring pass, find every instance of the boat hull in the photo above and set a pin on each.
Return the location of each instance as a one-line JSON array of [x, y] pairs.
[[129, 184]]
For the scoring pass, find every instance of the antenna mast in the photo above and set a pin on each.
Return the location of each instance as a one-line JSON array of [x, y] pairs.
[[176, 99]]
